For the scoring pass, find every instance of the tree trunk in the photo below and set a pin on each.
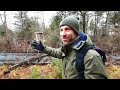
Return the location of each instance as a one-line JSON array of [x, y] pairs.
[[6, 32]]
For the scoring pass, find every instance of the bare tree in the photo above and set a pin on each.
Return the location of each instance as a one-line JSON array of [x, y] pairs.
[[6, 31]]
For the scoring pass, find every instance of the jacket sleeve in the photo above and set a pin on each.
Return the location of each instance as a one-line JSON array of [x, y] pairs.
[[94, 67], [57, 53]]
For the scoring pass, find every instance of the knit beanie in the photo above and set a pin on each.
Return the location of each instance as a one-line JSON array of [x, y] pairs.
[[71, 21]]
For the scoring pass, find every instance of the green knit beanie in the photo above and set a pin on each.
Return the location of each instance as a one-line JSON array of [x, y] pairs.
[[71, 21]]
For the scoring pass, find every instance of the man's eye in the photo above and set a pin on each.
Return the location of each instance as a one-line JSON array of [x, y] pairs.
[[67, 30], [61, 29]]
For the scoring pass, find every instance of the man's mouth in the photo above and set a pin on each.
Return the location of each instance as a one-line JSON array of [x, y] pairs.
[[64, 38]]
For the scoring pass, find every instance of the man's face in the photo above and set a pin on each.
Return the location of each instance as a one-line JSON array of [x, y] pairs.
[[66, 34]]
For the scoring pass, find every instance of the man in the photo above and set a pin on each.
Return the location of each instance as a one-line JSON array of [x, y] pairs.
[[71, 39]]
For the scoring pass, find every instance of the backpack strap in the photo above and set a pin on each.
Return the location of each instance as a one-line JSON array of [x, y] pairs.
[[80, 59]]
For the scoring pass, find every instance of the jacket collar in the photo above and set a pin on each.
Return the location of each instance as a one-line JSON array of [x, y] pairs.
[[80, 41]]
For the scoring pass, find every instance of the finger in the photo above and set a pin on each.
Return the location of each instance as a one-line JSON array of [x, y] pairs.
[[34, 42]]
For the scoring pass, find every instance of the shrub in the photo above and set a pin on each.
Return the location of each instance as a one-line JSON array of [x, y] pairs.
[[58, 68], [35, 74]]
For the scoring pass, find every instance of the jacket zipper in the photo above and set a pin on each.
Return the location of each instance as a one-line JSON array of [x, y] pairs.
[[65, 68]]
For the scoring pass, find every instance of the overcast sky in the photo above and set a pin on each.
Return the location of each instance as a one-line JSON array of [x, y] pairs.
[[11, 20]]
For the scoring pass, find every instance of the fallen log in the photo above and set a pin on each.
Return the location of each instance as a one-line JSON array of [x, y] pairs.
[[27, 61]]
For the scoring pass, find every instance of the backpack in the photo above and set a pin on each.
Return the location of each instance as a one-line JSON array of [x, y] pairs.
[[80, 58]]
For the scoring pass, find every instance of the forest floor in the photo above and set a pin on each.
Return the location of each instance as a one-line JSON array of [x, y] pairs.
[[113, 71], [29, 72], [49, 71]]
